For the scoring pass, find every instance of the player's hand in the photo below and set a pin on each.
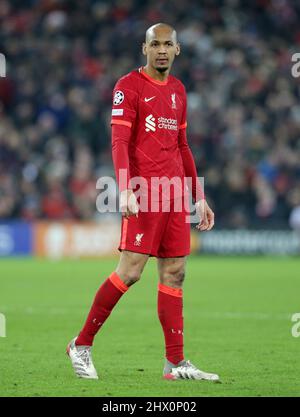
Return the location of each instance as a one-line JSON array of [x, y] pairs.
[[128, 204], [206, 216]]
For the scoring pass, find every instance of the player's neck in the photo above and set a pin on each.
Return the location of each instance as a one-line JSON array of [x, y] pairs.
[[156, 75]]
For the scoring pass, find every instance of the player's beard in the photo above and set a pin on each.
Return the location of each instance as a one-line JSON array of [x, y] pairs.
[[162, 69]]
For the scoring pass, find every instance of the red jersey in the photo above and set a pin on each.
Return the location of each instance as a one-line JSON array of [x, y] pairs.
[[155, 112]]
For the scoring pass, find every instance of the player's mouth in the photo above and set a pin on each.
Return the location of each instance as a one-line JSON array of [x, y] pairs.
[[162, 61]]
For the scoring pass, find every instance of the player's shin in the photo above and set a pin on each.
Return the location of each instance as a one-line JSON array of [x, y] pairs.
[[170, 313], [106, 298]]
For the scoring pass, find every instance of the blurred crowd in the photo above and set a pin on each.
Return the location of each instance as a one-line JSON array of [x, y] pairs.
[[63, 59]]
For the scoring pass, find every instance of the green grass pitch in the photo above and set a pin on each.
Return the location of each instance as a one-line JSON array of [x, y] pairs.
[[237, 315]]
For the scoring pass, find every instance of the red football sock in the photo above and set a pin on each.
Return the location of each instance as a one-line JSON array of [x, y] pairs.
[[106, 298], [169, 307]]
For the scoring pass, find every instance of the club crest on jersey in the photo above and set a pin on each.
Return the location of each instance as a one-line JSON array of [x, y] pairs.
[[173, 97], [118, 97], [138, 239]]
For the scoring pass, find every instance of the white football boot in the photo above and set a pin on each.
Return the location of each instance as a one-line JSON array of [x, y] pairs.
[[81, 358], [186, 370]]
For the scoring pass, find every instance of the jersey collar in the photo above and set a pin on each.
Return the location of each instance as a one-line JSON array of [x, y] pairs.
[[141, 71]]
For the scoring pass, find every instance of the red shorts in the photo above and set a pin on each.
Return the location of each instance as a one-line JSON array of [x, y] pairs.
[[162, 234]]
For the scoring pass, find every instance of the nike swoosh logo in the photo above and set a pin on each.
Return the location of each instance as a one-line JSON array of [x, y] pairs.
[[148, 99]]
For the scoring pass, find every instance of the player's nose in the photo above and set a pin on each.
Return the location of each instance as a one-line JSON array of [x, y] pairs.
[[162, 50]]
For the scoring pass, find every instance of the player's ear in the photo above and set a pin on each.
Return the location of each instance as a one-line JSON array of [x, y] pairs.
[[144, 46], [177, 49]]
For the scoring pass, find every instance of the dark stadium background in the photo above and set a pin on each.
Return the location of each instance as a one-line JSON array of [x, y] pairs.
[[63, 59], [244, 116]]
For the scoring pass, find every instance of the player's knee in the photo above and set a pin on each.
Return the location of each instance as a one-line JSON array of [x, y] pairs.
[[179, 278], [131, 277], [174, 278], [130, 268]]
